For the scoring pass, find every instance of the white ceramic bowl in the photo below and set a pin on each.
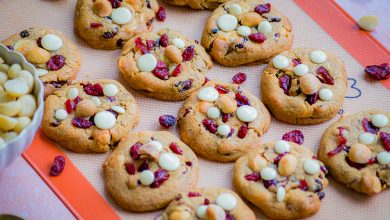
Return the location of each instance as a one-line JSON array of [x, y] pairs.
[[14, 148]]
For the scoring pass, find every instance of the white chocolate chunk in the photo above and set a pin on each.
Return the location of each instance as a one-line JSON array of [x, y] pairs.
[[366, 138], [368, 22], [10, 108], [208, 94], [235, 9], [104, 120], [244, 31], [268, 173], [280, 62], [72, 93], [282, 146], [146, 177], [5, 97], [13, 70], [179, 43], [7, 123], [318, 56], [110, 90], [169, 161], [325, 94], [246, 113], [265, 27], [383, 157], [147, 62], [29, 105], [223, 130], [1, 60], [16, 87], [301, 69], [26, 75], [3, 78], [61, 114], [155, 145], [4, 67], [227, 201], [51, 42], [118, 109], [23, 122], [121, 15], [311, 166], [213, 112], [201, 211], [41, 72], [380, 120], [227, 22], [280, 194], [8, 136]]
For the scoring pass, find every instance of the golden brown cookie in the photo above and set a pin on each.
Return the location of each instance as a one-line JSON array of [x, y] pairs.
[[304, 86], [283, 179], [356, 150], [221, 121], [148, 169], [208, 203], [165, 65], [241, 32], [89, 116], [197, 4], [106, 24]]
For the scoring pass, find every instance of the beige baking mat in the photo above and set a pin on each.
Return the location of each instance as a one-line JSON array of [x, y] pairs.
[[339, 203]]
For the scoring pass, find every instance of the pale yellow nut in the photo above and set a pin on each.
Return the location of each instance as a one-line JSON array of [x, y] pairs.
[[3, 78], [368, 22], [16, 87], [310, 84], [227, 104], [173, 54], [215, 212], [23, 122], [251, 19], [86, 108], [38, 55], [287, 165], [8, 136], [25, 45], [13, 70], [136, 4], [370, 184], [7, 123], [26, 75], [29, 105], [4, 67], [5, 97], [132, 182], [127, 64], [100, 136], [257, 162], [359, 153], [10, 108], [180, 215], [102, 8], [204, 106]]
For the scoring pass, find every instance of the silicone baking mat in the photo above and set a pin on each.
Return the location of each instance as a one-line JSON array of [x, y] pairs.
[[317, 24]]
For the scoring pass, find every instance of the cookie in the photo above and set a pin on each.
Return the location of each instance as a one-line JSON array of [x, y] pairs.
[[197, 4], [56, 58], [106, 24], [86, 117], [208, 203], [283, 179], [165, 65], [221, 122], [148, 169], [241, 32], [356, 150], [304, 86]]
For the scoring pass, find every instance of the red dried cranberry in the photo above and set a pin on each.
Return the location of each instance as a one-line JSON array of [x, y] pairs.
[[39, 42], [242, 100], [337, 150], [24, 34], [96, 25], [164, 40], [95, 89], [263, 8], [58, 166], [221, 89], [321, 195], [161, 14], [285, 83], [225, 117], [150, 44], [167, 121], [115, 3], [206, 201], [372, 160], [184, 85], [258, 37], [130, 168], [194, 194], [108, 35], [177, 70], [160, 176], [144, 165], [81, 122], [354, 165], [206, 79], [303, 185], [229, 216], [342, 139], [239, 78], [189, 163], [324, 169], [385, 138], [141, 46], [230, 133], [369, 127], [269, 183], [161, 71], [134, 150], [295, 136], [175, 148], [325, 77], [378, 72], [243, 131], [113, 112], [255, 176], [311, 99], [210, 125], [70, 105], [296, 61], [56, 62], [188, 53], [279, 157]]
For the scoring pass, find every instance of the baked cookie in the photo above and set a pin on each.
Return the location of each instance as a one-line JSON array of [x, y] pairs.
[[241, 32], [164, 65], [221, 121], [304, 86], [356, 151], [87, 117], [56, 58], [209, 203], [106, 24], [283, 179], [148, 169], [197, 4]]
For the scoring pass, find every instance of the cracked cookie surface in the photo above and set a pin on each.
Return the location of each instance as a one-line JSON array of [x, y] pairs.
[[197, 4]]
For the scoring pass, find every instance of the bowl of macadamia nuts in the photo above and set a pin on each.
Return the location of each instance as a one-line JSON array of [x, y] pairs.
[[21, 104]]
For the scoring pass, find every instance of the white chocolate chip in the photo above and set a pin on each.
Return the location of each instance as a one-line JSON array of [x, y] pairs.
[[146, 177], [235, 9], [223, 130], [51, 42], [227, 22], [13, 70], [227, 201], [169, 161], [16, 87], [104, 120], [110, 90], [280, 62], [366, 138], [61, 114], [8, 136], [282, 146], [208, 94], [201, 211], [265, 27], [121, 15], [311, 166], [179, 43], [301, 69], [280, 194], [7, 123], [3, 78], [147, 62], [268, 173], [246, 113], [10, 108], [325, 94], [28, 77], [318, 56], [383, 157], [380, 120], [29, 105], [244, 31], [156, 145], [1, 60], [73, 93], [4, 67], [96, 100], [41, 72], [368, 22], [213, 112], [118, 109], [23, 122]]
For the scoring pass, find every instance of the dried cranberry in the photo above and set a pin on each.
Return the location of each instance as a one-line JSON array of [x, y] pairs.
[[337, 150], [24, 34], [369, 127], [206, 201], [164, 40], [296, 61], [160, 176], [230, 133], [354, 165], [58, 166], [113, 112], [119, 43], [269, 183], [188, 53], [210, 125], [243, 131], [311, 99], [385, 138], [285, 83], [206, 79], [130, 168], [303, 185], [263, 8], [295, 136], [239, 78], [167, 121], [255, 176], [342, 139], [325, 77], [161, 71], [144, 165], [274, 19], [39, 42], [189, 163], [81, 122], [372, 160], [141, 46], [108, 35], [241, 99], [96, 25], [378, 72], [95, 89], [56, 62], [175, 148], [321, 195], [134, 150], [70, 105], [111, 99], [225, 117], [258, 37], [324, 169], [194, 194], [150, 44], [229, 216], [115, 3], [161, 14], [177, 70], [184, 85], [221, 89], [279, 157]]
